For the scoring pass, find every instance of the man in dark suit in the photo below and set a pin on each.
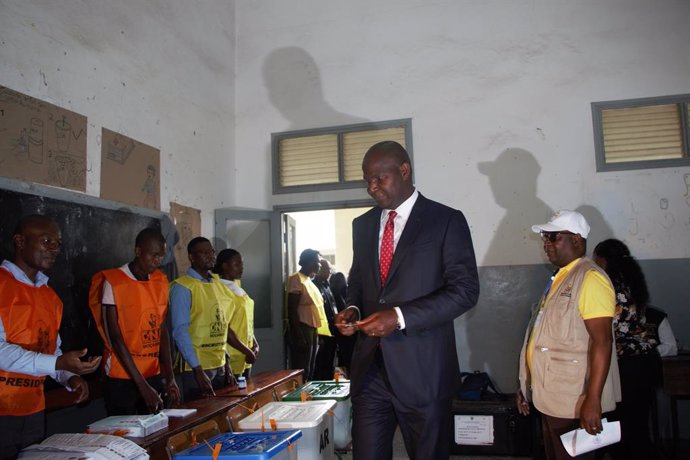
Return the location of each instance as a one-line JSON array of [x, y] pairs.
[[413, 273]]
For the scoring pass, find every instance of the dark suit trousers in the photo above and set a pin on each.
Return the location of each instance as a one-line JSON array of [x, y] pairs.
[[553, 428], [426, 429]]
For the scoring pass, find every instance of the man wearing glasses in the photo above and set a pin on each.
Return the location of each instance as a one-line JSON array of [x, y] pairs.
[[567, 365]]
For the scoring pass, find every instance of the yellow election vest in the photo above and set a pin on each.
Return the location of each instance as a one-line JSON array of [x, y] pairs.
[[242, 323], [211, 312], [317, 298]]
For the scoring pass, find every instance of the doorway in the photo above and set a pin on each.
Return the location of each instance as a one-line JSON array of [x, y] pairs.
[[270, 243]]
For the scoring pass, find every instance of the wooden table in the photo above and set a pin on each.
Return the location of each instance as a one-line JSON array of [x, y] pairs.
[[211, 408]]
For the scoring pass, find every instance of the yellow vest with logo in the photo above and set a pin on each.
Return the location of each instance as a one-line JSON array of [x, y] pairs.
[[210, 315], [242, 323]]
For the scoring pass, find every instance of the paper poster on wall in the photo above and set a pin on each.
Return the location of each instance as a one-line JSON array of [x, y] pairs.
[[41, 142], [130, 171], [474, 430], [188, 223]]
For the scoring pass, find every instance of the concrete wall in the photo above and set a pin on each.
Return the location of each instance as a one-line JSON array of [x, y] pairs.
[[499, 94], [161, 72]]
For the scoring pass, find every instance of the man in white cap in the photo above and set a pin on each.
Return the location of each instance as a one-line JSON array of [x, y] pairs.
[[567, 364]]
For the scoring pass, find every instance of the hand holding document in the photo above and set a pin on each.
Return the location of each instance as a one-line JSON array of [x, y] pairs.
[[578, 441]]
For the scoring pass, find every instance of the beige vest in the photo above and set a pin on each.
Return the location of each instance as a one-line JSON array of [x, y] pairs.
[[559, 373]]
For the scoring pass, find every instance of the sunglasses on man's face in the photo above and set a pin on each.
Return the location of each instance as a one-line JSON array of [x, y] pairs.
[[553, 236]]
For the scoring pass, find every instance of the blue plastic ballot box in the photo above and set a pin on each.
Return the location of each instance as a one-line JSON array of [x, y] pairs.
[[273, 445]]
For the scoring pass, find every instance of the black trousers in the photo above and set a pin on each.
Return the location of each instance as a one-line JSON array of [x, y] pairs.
[[639, 375], [324, 367], [304, 358], [122, 397], [18, 432], [426, 428]]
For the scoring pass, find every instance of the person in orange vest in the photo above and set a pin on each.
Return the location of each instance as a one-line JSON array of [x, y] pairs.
[[30, 315], [129, 304]]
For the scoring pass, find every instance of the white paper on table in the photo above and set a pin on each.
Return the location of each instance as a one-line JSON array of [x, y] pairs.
[[176, 413], [578, 441], [80, 445]]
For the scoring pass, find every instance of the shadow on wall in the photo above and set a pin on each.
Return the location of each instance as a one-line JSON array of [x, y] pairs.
[[293, 82], [492, 332]]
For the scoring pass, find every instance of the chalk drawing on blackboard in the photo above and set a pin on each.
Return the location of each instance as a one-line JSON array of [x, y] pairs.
[[119, 148], [663, 203], [150, 187]]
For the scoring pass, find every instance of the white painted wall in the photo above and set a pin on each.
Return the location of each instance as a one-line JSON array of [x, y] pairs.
[[477, 78], [161, 72]]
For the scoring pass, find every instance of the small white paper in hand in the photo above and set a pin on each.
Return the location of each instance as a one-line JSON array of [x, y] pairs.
[[578, 441]]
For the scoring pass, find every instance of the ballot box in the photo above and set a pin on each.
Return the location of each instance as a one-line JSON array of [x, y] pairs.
[[313, 418], [339, 391], [273, 445], [490, 428]]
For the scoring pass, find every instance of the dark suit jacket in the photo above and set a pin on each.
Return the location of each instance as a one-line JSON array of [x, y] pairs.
[[433, 279]]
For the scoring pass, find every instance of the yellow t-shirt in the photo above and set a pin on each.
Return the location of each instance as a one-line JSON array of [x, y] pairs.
[[597, 299]]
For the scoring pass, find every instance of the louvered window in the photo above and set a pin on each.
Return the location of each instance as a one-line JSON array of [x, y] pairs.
[[329, 158], [641, 133]]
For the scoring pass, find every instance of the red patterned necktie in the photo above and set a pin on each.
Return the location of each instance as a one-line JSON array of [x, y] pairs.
[[387, 247]]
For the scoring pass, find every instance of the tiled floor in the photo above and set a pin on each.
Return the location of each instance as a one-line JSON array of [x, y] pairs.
[[400, 454], [682, 452]]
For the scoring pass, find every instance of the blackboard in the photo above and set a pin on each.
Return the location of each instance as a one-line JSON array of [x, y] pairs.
[[93, 238]]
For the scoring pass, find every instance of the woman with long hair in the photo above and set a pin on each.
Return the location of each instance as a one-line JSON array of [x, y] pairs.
[[230, 267], [638, 360]]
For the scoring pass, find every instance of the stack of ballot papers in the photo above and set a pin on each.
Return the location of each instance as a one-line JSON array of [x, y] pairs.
[[178, 413], [131, 426], [578, 441], [66, 446]]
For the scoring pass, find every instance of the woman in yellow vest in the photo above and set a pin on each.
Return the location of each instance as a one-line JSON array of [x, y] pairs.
[[229, 266], [306, 315]]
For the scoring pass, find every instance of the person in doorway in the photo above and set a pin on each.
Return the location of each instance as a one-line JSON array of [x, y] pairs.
[[567, 364], [638, 362], [30, 315], [344, 343], [325, 357], [413, 272], [129, 304], [305, 313], [202, 309], [230, 266]]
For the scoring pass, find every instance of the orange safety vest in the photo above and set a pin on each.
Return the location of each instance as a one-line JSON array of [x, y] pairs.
[[31, 318], [141, 308]]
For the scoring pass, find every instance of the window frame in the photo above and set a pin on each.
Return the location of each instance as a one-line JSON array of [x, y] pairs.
[[682, 100], [339, 131]]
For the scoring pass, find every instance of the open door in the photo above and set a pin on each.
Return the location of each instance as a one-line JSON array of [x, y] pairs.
[[257, 236]]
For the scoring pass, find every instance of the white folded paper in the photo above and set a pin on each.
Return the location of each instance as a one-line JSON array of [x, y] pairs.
[[578, 441], [178, 413]]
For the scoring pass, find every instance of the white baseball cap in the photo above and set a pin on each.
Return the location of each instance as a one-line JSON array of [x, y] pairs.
[[565, 221]]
